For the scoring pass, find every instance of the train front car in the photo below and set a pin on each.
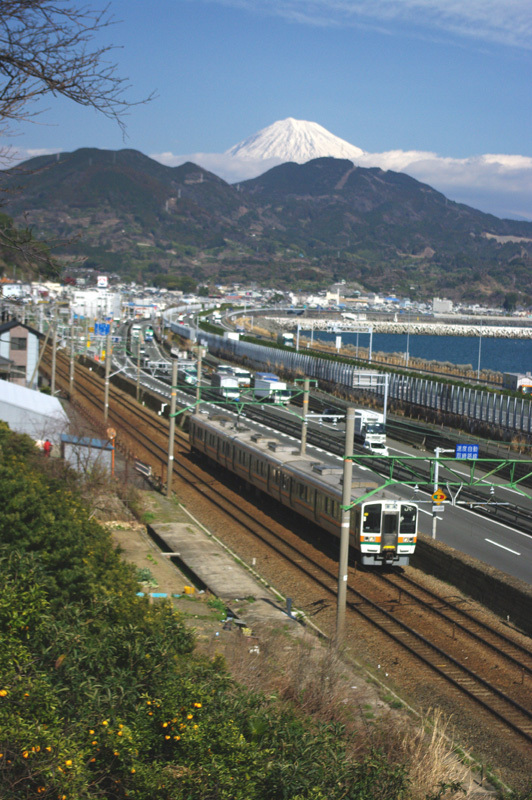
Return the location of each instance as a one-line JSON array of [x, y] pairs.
[[387, 531]]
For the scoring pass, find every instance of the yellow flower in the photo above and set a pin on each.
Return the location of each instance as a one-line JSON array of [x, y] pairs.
[[190, 716], [165, 724], [177, 738], [119, 733], [133, 769], [105, 722], [25, 754], [91, 733], [197, 705], [68, 762], [3, 692], [116, 753], [166, 737], [95, 742]]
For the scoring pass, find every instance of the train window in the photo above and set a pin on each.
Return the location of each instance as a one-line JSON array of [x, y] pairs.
[[263, 468], [211, 438], [285, 481], [408, 519], [199, 433], [302, 491], [276, 476], [372, 518]]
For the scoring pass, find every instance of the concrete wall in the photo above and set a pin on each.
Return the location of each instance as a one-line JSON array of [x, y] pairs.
[[506, 596]]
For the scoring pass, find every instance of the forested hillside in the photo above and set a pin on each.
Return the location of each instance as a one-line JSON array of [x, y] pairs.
[[297, 226]]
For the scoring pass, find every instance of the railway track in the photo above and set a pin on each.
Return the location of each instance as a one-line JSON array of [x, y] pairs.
[[151, 435]]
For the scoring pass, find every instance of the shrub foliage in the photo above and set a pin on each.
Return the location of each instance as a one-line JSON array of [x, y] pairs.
[[101, 694]]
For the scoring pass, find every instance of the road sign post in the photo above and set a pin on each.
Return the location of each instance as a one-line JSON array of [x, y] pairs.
[[438, 496]]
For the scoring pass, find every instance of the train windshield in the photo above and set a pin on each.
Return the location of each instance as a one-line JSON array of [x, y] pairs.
[[372, 518], [408, 518]]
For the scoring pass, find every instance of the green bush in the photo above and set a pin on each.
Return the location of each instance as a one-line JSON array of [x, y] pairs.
[[101, 694]]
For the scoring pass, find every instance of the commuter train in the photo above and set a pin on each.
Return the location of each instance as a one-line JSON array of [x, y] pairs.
[[383, 527]]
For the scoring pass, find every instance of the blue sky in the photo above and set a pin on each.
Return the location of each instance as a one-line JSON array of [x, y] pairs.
[[448, 80]]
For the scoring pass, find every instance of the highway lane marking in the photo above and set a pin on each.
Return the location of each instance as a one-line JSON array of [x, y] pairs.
[[492, 521], [503, 547]]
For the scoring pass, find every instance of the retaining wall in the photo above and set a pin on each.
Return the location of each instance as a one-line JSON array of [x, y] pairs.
[[506, 596]]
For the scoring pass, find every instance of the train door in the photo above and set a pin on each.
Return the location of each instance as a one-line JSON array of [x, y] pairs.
[[389, 530]]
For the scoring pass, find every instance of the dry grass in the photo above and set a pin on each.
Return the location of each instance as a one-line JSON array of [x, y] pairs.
[[314, 679]]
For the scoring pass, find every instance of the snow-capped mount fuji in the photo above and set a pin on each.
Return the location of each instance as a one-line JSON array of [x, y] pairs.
[[294, 140]]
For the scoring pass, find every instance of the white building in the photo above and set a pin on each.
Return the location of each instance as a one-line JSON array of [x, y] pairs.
[[27, 411], [440, 306], [94, 303]]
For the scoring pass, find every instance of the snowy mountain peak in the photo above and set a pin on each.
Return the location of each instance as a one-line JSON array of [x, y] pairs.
[[294, 140]]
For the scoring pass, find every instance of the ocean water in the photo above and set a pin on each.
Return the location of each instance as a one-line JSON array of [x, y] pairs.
[[500, 355]]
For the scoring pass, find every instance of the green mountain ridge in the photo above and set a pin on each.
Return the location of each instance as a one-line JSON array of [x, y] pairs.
[[300, 225]]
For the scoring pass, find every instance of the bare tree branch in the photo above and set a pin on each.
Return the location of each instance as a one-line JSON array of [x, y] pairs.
[[48, 48]]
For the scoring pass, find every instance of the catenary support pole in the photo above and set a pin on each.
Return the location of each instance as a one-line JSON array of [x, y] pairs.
[[72, 362], [171, 431], [54, 356], [138, 369], [199, 351], [345, 526], [108, 360], [304, 424]]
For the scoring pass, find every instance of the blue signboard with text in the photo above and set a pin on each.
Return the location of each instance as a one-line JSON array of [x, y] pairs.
[[466, 451]]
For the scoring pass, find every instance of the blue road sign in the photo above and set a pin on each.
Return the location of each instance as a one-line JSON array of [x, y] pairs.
[[465, 451]]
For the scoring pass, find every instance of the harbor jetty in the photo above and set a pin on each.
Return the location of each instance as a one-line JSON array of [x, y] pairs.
[[414, 328]]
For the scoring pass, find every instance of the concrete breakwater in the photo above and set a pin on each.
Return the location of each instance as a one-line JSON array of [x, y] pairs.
[[412, 328]]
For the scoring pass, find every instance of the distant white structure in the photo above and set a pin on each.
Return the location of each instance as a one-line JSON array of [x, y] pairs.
[[15, 290], [93, 303], [27, 411], [442, 306]]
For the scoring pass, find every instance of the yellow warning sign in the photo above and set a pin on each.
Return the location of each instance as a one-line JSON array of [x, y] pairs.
[[439, 496]]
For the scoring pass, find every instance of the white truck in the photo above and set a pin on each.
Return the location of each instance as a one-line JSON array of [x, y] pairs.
[[370, 431], [225, 386], [285, 339], [517, 382], [268, 388]]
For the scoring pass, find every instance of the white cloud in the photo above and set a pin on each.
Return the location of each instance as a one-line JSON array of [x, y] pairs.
[[497, 184], [229, 168], [504, 21]]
